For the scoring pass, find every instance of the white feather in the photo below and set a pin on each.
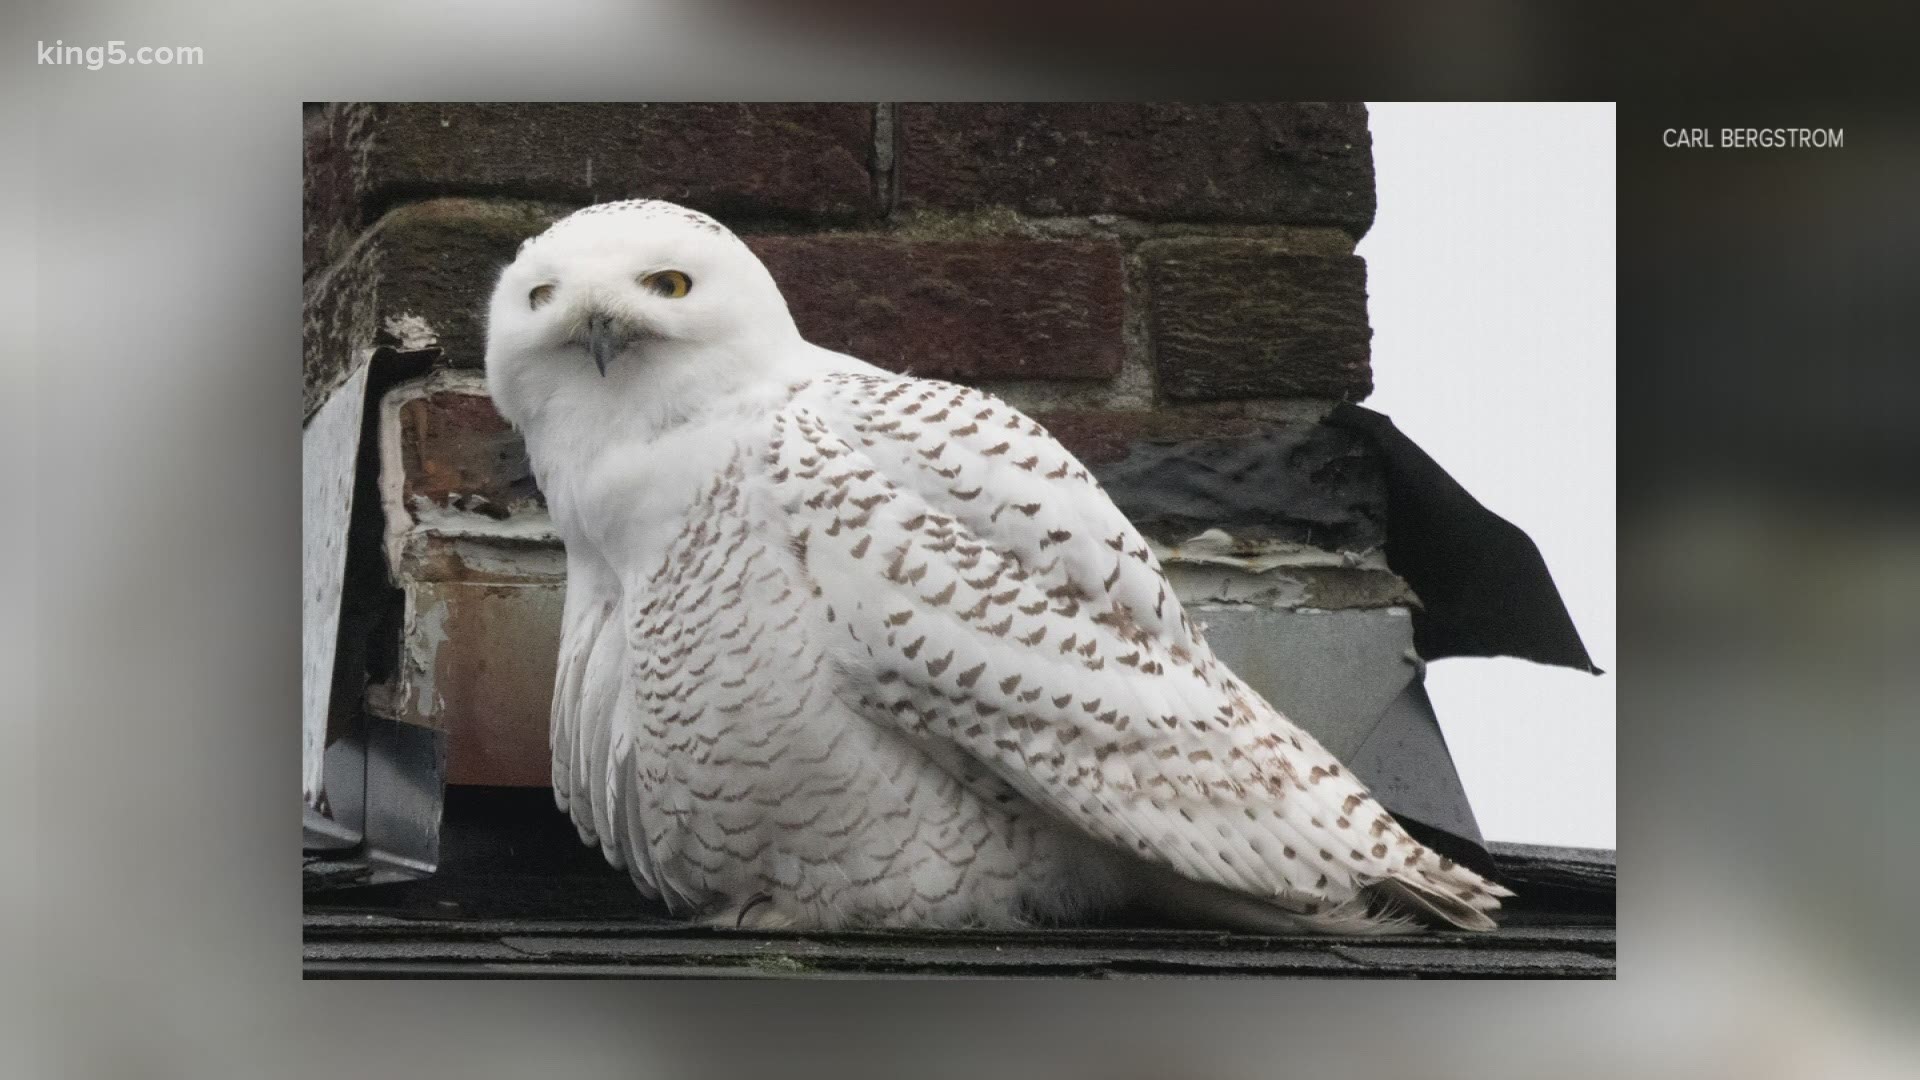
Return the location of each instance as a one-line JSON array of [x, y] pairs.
[[849, 647]]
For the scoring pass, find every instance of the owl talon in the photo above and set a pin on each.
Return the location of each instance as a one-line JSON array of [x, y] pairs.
[[753, 902], [758, 913]]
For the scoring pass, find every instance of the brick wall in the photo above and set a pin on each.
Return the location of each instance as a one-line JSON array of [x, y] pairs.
[[1125, 256], [1130, 274]]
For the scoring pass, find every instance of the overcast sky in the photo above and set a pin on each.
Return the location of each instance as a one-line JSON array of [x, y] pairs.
[[1491, 289]]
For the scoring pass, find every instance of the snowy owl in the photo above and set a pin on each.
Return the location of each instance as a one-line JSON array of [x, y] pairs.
[[848, 648]]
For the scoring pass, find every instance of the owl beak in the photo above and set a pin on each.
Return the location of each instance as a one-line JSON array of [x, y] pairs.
[[607, 338]]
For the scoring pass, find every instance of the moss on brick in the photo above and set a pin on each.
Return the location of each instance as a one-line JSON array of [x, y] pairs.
[[1237, 318], [439, 260], [805, 161], [337, 320], [1301, 163], [965, 308]]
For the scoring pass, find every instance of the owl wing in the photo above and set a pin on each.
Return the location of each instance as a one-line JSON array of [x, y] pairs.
[[593, 774], [986, 595]]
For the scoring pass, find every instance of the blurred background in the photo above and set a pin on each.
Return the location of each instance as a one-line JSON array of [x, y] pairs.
[[1767, 528]]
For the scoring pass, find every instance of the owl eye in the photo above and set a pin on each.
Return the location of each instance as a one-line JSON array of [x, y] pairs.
[[540, 295], [671, 284]]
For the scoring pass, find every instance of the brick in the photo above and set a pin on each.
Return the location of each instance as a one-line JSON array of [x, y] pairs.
[[1101, 437], [1248, 319], [455, 449], [1300, 163], [1002, 308], [811, 161], [961, 309], [1006, 308], [459, 489], [333, 181], [437, 262], [433, 263], [1177, 474], [338, 316]]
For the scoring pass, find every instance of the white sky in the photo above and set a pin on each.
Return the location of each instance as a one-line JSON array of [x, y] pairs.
[[1490, 280]]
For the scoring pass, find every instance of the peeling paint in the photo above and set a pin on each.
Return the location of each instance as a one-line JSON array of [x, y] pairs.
[[426, 632], [1217, 568], [478, 665], [1217, 547], [1300, 589], [410, 332], [1227, 585], [484, 588], [481, 561], [523, 520]]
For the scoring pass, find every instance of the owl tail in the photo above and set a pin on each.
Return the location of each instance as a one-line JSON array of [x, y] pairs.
[[1445, 890], [1430, 890], [1425, 889]]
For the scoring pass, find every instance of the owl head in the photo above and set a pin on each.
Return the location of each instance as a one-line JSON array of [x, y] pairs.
[[621, 297]]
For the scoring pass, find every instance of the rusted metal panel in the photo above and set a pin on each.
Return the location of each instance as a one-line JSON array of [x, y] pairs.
[[482, 574], [478, 664]]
